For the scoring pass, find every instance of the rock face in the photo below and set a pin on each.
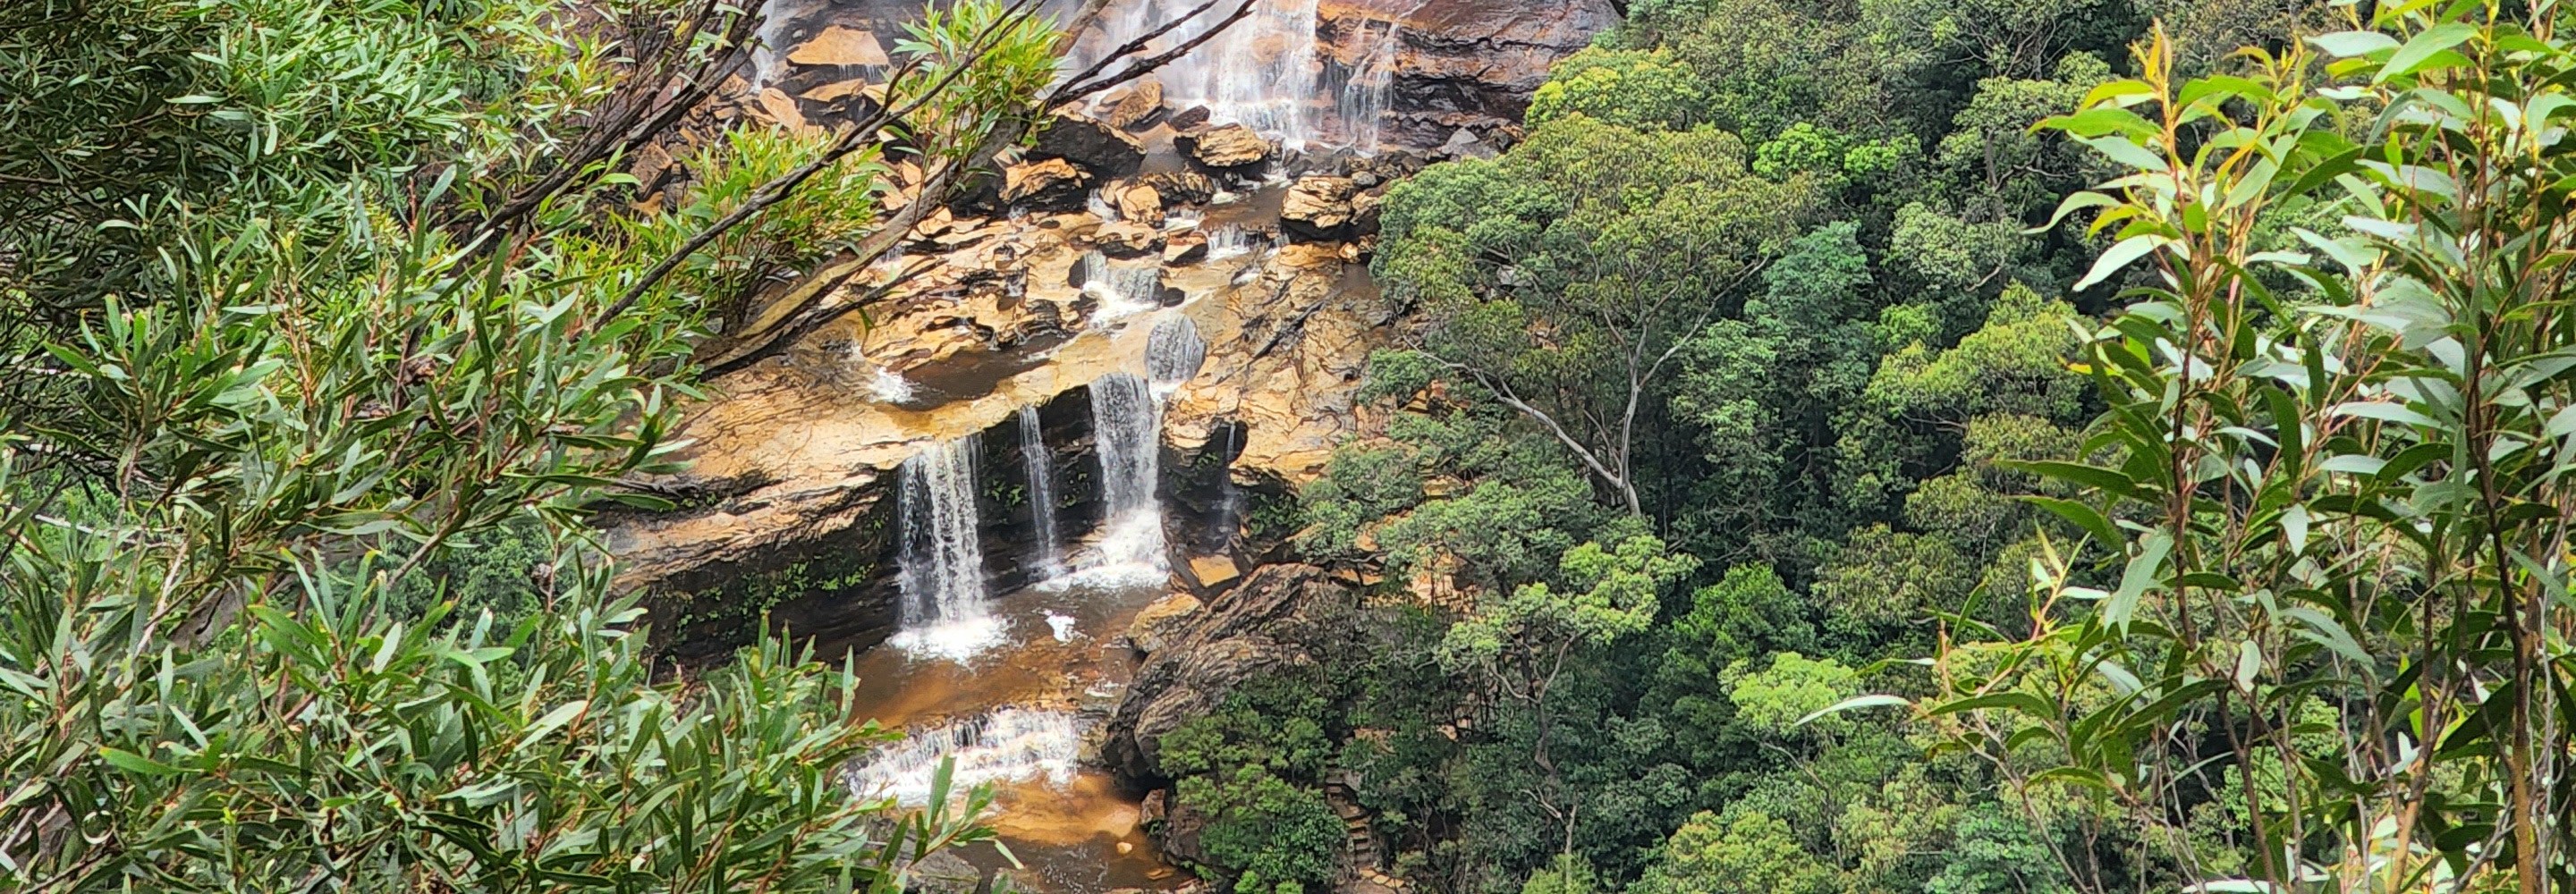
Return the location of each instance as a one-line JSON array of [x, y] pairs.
[[1157, 624], [1460, 63], [1227, 147], [1269, 621]]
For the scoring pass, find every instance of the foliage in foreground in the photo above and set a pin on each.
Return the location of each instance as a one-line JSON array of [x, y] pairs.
[[304, 302], [2337, 505]]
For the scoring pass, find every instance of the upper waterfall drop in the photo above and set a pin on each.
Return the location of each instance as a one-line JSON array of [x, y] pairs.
[[1269, 72], [942, 557]]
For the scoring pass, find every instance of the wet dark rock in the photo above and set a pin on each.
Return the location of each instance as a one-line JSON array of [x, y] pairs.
[[1192, 118], [1103, 150]]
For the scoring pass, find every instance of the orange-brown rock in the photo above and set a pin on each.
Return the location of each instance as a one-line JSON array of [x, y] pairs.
[[1142, 204], [1049, 184], [1227, 146], [839, 45], [1138, 106], [1317, 208], [1127, 239]]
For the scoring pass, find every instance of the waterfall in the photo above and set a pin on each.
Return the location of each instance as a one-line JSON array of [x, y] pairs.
[[1261, 73], [1041, 469], [1010, 744], [942, 577], [1229, 521], [1122, 290], [1173, 354], [1100, 206], [1368, 86], [1127, 426], [1230, 241]]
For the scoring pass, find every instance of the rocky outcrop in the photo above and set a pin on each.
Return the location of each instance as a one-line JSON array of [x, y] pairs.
[[1272, 620], [1158, 624]]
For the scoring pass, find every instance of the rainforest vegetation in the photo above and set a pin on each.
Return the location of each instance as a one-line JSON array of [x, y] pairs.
[[1989, 446], [1969, 447]]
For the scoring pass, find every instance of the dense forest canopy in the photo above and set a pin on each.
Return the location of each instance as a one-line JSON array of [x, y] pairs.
[[1962, 447]]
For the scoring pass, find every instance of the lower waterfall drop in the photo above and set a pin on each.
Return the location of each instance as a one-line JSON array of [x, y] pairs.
[[1011, 744], [1127, 426], [1041, 471], [942, 579]]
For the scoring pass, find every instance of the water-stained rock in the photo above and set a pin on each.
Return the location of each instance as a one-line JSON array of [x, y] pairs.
[[1127, 239]]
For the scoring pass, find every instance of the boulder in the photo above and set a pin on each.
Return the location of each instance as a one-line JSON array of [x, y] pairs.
[[943, 872], [1466, 144], [1214, 572], [1127, 239], [1048, 185], [1317, 209], [1185, 249], [1268, 621], [1103, 150], [1142, 204], [1137, 108], [1180, 187], [839, 45], [1229, 147], [1191, 118], [1157, 624]]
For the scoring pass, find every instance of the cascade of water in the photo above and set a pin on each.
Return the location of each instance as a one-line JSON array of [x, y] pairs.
[[1173, 353], [889, 387], [1010, 744], [1041, 469], [1368, 86], [1230, 511], [1122, 290], [1126, 426], [1261, 73], [1230, 241], [941, 558], [1100, 207]]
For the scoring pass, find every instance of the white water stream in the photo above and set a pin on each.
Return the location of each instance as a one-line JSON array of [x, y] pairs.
[[1009, 744], [942, 556], [1040, 463]]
